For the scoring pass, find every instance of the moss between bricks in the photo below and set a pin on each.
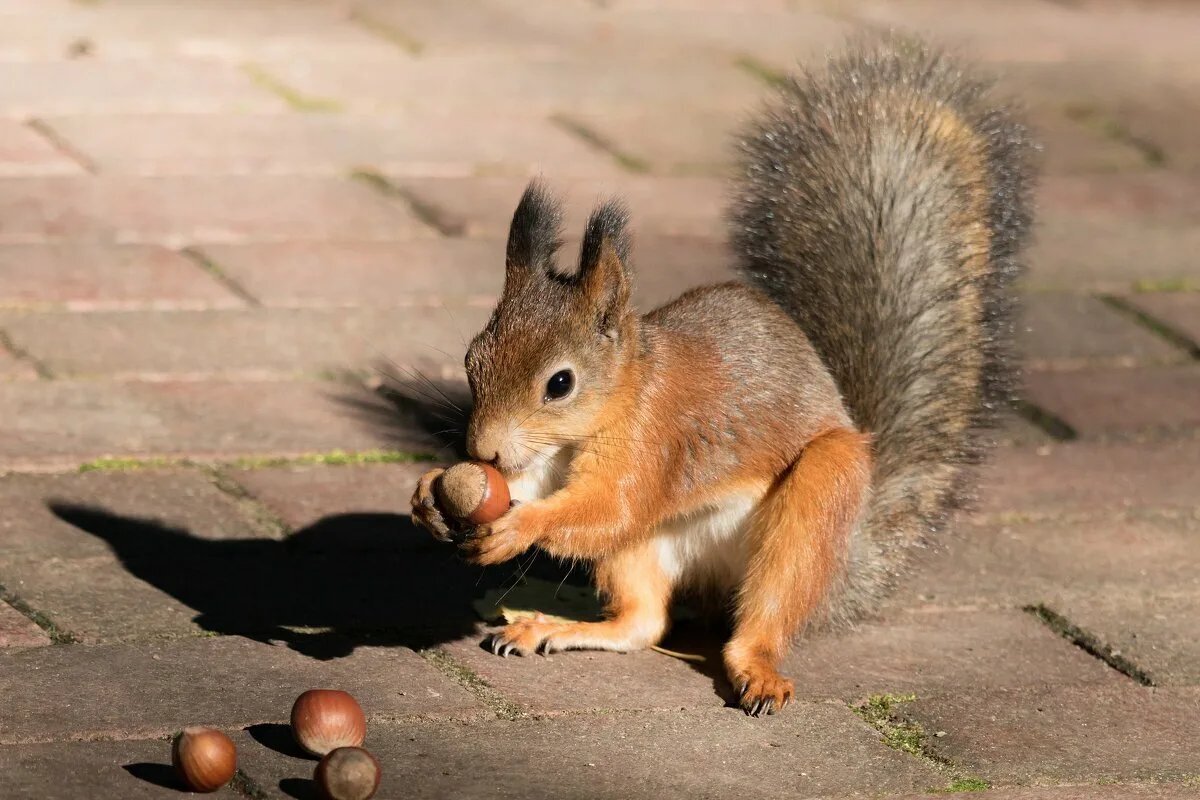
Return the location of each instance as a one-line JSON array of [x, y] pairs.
[[296, 100], [907, 736], [449, 666]]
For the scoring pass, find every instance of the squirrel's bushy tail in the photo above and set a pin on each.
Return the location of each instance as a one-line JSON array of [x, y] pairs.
[[883, 202]]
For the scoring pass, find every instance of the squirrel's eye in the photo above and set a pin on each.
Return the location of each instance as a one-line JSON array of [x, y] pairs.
[[560, 384]]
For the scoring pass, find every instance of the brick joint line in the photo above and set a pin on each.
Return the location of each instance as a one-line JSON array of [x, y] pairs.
[[260, 515], [214, 271], [426, 212], [1089, 643], [388, 32], [21, 354], [57, 635], [43, 129], [465, 677], [1153, 324], [1051, 424], [575, 128]]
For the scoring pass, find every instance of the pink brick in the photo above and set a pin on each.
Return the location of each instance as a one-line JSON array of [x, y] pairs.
[[1180, 311], [439, 273], [86, 277], [662, 206], [242, 342], [200, 208], [23, 151], [1060, 330], [613, 79], [95, 86], [64, 423], [434, 144], [1121, 403], [17, 630]]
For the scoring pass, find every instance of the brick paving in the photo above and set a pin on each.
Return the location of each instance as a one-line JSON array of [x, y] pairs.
[[224, 225]]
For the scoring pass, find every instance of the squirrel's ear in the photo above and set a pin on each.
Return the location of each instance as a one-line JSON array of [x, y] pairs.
[[534, 236], [604, 275]]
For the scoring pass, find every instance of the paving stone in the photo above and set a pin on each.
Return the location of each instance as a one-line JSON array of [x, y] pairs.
[[1114, 231], [1112, 255], [92, 276], [1063, 563], [1120, 403], [241, 342], [421, 272], [1181, 311], [179, 210], [675, 142], [159, 500], [594, 681], [155, 689], [1153, 626], [224, 30], [17, 630], [64, 423], [664, 206], [1064, 330], [13, 368], [1086, 478], [932, 653], [1073, 734], [23, 151], [304, 496], [132, 769], [421, 144], [1081, 791], [442, 273], [809, 751], [617, 79], [34, 88]]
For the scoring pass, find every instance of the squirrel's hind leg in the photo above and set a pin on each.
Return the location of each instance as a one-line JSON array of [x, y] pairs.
[[638, 594], [796, 541]]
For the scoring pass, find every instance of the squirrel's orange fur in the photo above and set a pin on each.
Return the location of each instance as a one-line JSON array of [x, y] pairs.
[[782, 442]]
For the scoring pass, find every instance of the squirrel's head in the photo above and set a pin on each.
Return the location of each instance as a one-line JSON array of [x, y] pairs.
[[543, 369]]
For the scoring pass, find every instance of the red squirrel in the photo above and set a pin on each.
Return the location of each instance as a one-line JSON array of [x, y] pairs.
[[782, 443]]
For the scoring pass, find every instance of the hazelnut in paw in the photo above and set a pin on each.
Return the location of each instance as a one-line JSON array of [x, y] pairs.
[[498, 541]]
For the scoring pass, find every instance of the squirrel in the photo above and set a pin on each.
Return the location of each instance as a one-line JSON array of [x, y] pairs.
[[783, 443]]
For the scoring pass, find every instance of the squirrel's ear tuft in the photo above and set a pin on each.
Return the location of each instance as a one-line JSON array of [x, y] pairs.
[[535, 234], [604, 274]]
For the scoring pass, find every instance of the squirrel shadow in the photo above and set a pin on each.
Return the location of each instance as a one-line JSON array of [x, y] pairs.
[[345, 581]]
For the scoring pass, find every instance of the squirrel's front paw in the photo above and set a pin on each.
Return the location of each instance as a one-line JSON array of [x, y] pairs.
[[497, 541], [425, 511]]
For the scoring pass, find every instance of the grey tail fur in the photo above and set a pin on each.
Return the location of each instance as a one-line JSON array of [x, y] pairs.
[[884, 203]]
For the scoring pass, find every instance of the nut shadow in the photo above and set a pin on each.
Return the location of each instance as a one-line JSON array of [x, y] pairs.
[[277, 737], [163, 775]]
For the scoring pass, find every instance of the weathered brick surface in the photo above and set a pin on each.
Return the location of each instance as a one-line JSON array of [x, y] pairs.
[[1179, 311], [17, 630], [37, 88], [676, 206], [1086, 478], [1062, 562], [200, 208], [67, 422], [156, 688], [1068, 735], [303, 496], [1064, 330], [620, 79], [434, 144], [23, 151], [91, 276], [237, 342], [442, 272], [1121, 403], [818, 751], [13, 368]]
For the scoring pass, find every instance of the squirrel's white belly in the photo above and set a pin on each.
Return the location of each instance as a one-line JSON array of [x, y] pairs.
[[707, 548]]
